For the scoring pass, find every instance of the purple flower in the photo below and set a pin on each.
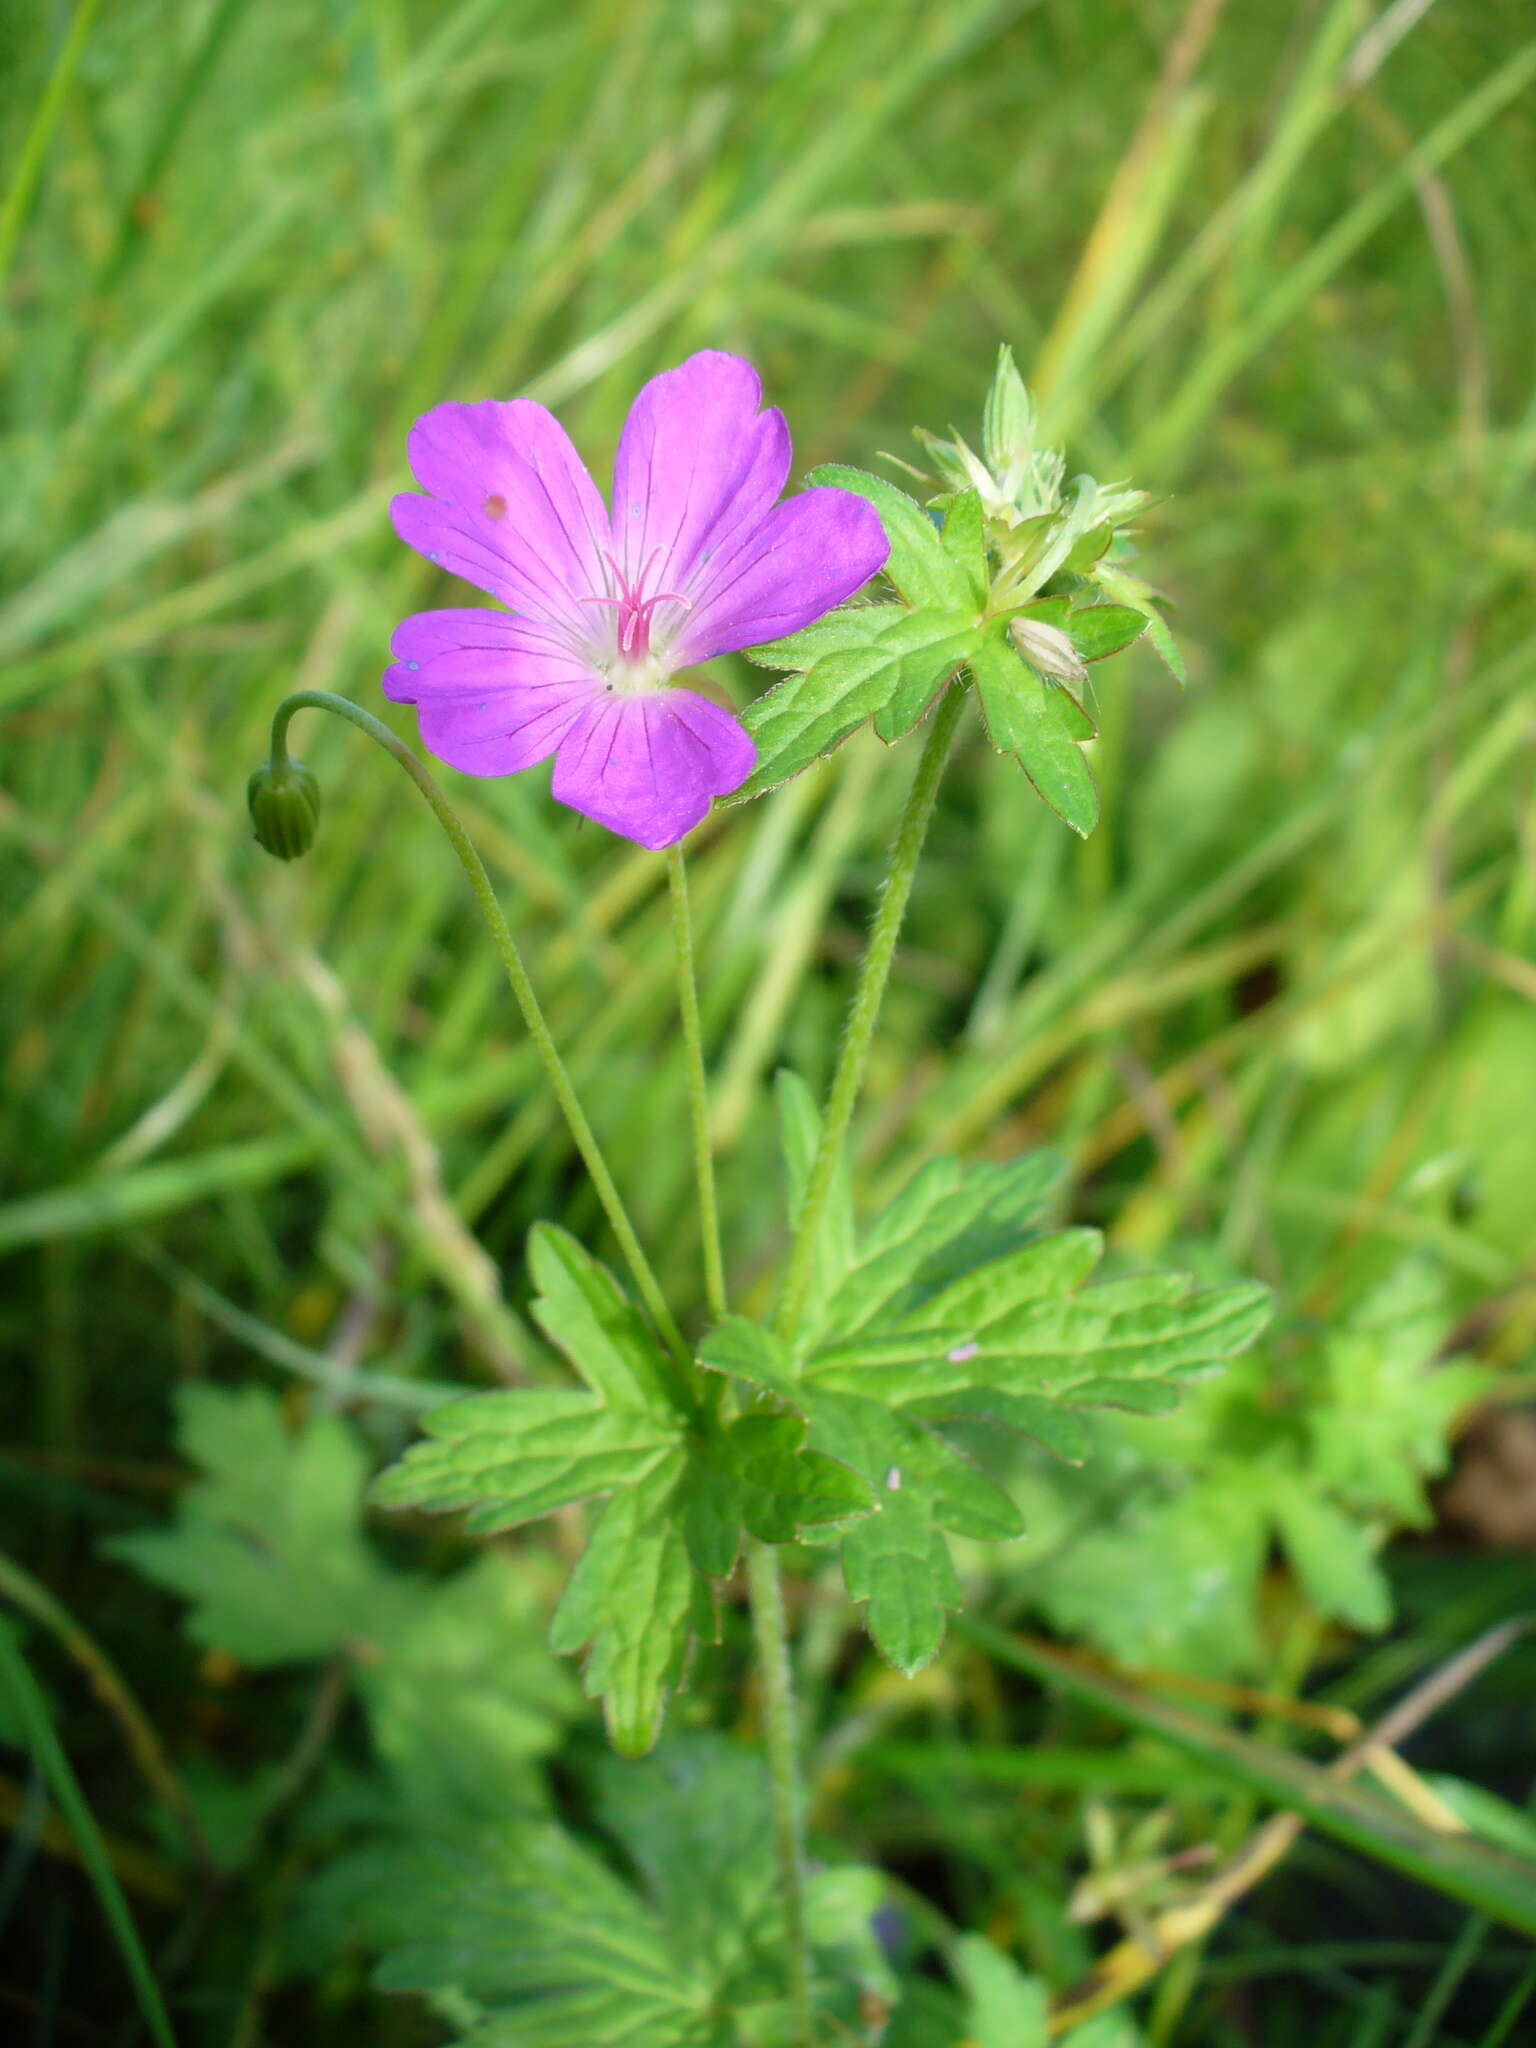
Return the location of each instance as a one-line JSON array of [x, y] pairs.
[[697, 559]]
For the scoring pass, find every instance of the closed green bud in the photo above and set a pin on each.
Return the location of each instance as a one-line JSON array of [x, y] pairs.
[[1048, 650], [284, 800]]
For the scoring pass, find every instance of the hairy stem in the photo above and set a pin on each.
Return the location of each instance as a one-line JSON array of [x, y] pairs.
[[864, 1009], [772, 1638], [698, 1088], [522, 989]]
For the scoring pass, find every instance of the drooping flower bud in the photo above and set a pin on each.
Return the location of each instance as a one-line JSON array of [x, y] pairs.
[[284, 801], [1048, 650]]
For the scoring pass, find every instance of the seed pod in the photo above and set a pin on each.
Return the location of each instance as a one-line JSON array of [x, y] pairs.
[[284, 801]]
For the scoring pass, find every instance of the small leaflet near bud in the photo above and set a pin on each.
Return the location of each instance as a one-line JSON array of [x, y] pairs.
[[1048, 650], [284, 802]]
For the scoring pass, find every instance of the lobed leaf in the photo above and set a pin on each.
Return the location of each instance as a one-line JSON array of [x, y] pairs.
[[510, 1457], [581, 1308], [682, 1485], [629, 1603], [951, 1307], [877, 661]]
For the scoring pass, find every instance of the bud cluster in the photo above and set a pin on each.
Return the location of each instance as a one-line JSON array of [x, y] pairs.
[[1039, 522]]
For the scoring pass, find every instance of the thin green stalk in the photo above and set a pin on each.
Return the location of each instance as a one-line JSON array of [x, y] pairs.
[[48, 1753], [522, 989], [772, 1639], [864, 1009], [698, 1088]]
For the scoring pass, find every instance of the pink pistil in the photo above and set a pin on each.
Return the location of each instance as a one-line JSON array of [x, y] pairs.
[[634, 611]]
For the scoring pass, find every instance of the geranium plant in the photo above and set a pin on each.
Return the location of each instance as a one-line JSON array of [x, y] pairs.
[[832, 1421]]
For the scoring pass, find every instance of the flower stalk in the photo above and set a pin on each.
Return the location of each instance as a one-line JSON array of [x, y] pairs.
[[698, 1088], [523, 992]]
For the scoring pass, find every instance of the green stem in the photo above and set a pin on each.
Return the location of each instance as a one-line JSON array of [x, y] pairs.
[[772, 1639], [864, 1009], [698, 1088], [522, 988]]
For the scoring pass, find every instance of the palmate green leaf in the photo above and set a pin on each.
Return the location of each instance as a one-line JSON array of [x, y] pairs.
[[1321, 1451], [268, 1545], [534, 1939], [533, 1933], [954, 1307], [680, 1488], [879, 661], [1040, 727]]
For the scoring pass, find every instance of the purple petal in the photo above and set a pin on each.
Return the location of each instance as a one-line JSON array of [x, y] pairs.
[[495, 694], [512, 509], [698, 468], [807, 556], [648, 766]]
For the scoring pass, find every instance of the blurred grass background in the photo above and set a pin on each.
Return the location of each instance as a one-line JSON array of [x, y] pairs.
[[1272, 263]]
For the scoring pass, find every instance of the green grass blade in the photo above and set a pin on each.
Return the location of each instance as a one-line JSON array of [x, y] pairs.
[[48, 1752], [1501, 1886]]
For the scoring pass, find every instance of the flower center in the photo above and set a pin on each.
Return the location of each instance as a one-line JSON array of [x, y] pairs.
[[638, 664]]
